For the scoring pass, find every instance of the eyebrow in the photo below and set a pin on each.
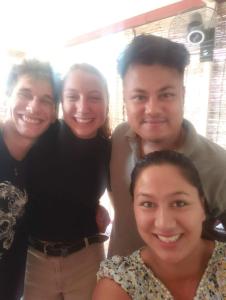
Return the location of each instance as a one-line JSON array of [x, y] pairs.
[[139, 90], [28, 90], [166, 88], [76, 91], [24, 90], [177, 193]]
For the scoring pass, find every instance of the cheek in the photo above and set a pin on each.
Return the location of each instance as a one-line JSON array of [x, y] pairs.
[[101, 111], [143, 220], [67, 108], [133, 112]]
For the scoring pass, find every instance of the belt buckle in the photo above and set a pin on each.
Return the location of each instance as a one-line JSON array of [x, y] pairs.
[[64, 251], [45, 250]]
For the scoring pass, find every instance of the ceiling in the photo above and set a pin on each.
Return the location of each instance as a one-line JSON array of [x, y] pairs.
[[30, 24]]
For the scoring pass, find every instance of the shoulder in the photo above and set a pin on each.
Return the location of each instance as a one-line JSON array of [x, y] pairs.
[[220, 253], [119, 265], [126, 271], [216, 272], [121, 130], [201, 147]]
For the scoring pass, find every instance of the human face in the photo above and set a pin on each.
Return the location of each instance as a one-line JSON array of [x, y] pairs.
[[153, 96], [84, 103], [32, 106], [169, 213]]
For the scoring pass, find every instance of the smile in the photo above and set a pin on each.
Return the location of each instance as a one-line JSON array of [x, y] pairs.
[[169, 239], [30, 120], [153, 121], [83, 120]]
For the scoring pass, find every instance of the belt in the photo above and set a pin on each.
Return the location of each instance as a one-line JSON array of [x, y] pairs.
[[64, 249]]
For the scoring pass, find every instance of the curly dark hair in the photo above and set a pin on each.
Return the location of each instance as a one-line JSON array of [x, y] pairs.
[[36, 69], [150, 50]]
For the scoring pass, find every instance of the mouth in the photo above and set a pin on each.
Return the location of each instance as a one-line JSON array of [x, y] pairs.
[[168, 239], [83, 120], [154, 121], [30, 119]]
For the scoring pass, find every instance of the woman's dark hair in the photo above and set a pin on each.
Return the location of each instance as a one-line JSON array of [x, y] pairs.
[[189, 172], [105, 130], [150, 50]]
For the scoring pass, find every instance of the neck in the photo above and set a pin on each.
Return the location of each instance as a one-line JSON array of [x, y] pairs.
[[17, 145], [147, 146], [191, 268]]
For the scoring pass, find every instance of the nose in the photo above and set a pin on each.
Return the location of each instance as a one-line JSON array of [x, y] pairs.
[[33, 105], [164, 219], [83, 105], [152, 106]]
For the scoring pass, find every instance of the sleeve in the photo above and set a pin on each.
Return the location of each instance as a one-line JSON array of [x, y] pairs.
[[116, 269]]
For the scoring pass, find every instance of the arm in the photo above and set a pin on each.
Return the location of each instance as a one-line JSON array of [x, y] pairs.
[[102, 218], [110, 290]]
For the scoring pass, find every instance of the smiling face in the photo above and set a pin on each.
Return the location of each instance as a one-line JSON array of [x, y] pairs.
[[84, 103], [169, 213], [153, 96], [32, 106]]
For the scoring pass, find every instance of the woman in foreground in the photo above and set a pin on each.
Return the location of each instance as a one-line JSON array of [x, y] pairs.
[[177, 261]]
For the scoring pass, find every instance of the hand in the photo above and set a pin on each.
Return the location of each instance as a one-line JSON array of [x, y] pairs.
[[102, 218]]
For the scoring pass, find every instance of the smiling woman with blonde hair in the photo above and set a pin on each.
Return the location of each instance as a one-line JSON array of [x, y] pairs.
[[171, 214]]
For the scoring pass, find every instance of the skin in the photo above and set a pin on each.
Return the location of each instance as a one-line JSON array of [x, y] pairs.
[[84, 103], [108, 289], [32, 110], [154, 100], [169, 214]]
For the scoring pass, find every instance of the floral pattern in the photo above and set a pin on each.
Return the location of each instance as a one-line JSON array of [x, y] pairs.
[[141, 284], [12, 202]]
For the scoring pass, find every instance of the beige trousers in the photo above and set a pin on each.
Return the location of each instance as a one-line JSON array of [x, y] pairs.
[[62, 278]]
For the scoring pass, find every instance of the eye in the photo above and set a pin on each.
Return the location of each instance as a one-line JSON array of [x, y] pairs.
[[24, 95], [148, 204], [138, 97], [47, 100], [71, 97], [179, 203], [166, 96], [95, 98]]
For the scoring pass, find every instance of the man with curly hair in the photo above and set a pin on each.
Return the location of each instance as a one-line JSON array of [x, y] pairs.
[[32, 94]]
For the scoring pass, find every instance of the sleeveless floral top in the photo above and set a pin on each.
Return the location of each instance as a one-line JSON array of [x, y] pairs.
[[140, 283]]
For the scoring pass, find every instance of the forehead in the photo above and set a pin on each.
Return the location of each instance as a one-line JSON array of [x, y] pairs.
[[163, 178], [156, 75], [34, 84], [83, 79]]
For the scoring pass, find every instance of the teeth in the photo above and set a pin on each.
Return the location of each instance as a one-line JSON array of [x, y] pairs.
[[30, 120], [168, 239], [83, 120], [153, 121]]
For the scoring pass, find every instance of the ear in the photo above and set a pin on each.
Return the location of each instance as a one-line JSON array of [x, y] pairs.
[[204, 208], [183, 94]]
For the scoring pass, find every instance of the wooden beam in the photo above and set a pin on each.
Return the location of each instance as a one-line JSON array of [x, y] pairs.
[[151, 16]]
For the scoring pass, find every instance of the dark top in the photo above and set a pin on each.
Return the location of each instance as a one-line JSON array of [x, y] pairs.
[[67, 176], [13, 230]]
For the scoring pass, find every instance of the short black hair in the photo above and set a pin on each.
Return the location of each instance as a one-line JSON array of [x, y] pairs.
[[36, 69], [150, 50]]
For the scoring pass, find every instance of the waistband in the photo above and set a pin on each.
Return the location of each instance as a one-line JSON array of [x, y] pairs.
[[65, 248]]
